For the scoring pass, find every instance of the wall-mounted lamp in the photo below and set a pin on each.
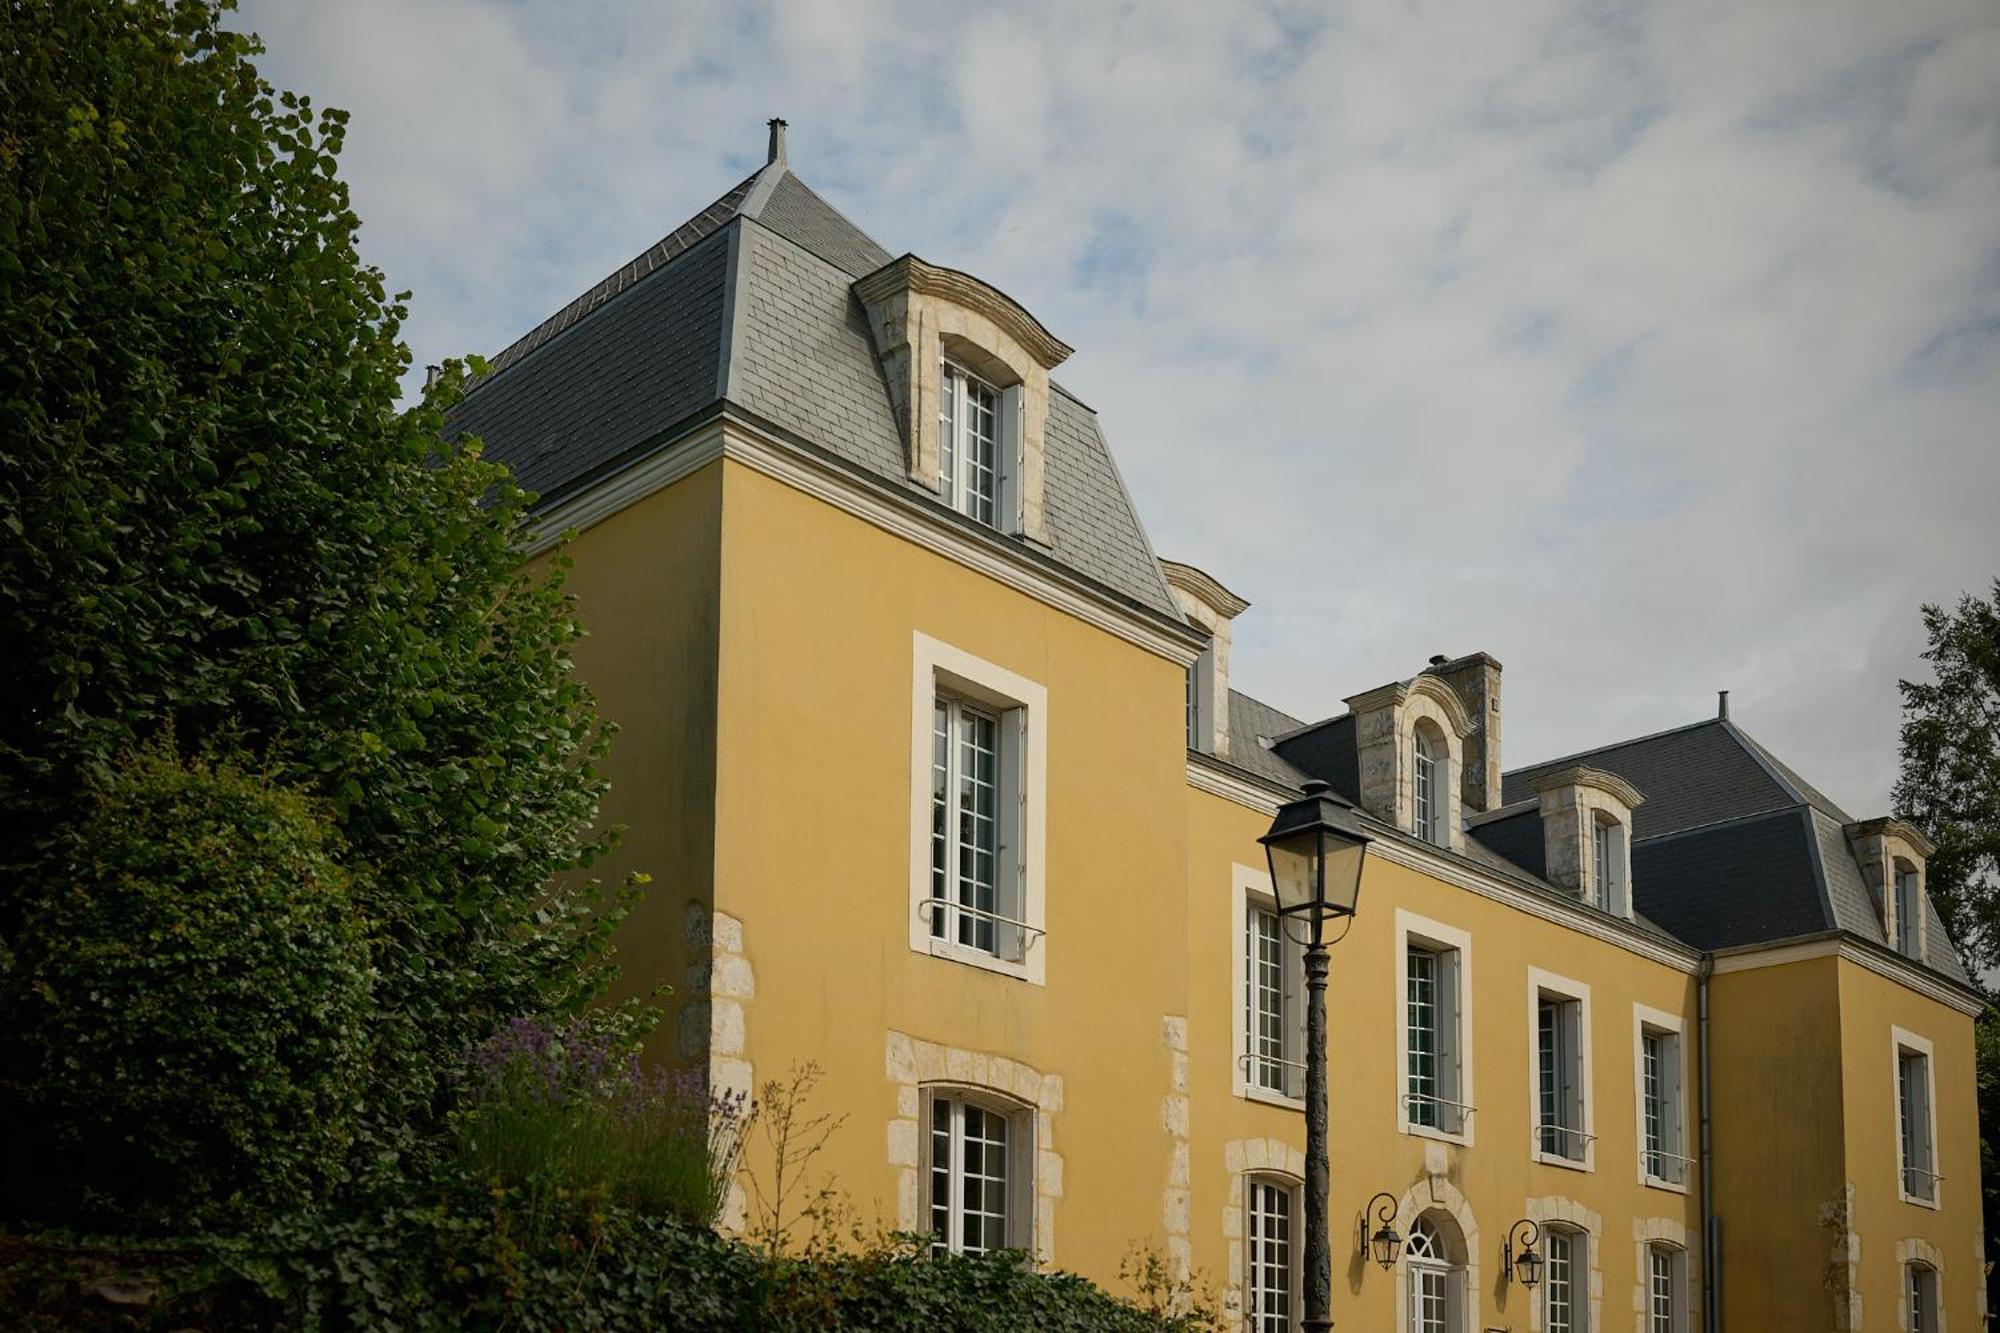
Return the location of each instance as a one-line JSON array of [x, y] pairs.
[[1526, 1266], [1385, 1243]]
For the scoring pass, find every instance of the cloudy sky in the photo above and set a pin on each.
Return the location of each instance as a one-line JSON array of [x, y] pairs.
[[1654, 349]]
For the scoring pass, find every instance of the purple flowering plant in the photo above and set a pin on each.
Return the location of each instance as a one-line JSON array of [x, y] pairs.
[[567, 1115]]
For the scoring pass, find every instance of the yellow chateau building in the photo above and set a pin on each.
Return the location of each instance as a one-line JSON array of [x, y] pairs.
[[944, 785]]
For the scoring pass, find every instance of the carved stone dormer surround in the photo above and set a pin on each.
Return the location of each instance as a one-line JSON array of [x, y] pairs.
[[1573, 801], [1385, 729], [1878, 844], [1209, 606], [920, 314]]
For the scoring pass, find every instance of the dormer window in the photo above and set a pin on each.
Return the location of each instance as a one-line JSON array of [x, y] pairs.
[[968, 443], [1431, 774]]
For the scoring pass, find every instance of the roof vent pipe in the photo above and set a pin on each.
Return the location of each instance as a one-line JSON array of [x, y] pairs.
[[1722, 703], [777, 153]]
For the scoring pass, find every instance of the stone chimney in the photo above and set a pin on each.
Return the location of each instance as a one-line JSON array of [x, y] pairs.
[[1209, 606], [1476, 680]]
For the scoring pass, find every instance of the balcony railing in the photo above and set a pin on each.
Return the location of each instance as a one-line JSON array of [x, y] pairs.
[[1571, 1145], [1919, 1183], [1268, 1073], [1439, 1113], [1666, 1168]]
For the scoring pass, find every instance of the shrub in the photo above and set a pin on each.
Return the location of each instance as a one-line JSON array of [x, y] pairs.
[[567, 1112], [189, 1042], [463, 1265]]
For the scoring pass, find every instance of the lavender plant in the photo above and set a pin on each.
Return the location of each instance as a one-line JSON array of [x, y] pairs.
[[569, 1117]]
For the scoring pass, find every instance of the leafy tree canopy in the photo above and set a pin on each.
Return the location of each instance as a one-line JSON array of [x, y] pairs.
[[1950, 782], [214, 514]]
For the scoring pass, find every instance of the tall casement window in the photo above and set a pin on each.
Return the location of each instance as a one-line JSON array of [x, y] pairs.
[[1559, 1111], [968, 443], [1428, 772], [1660, 1156], [1920, 1285], [978, 908], [1431, 1007], [979, 1161], [1566, 1285], [1913, 1110], [1437, 1278], [977, 812], [1272, 1208], [1909, 912], [1201, 702], [1666, 1290], [1272, 971]]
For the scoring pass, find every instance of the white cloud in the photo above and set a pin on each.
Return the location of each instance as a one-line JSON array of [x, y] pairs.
[[1652, 348]]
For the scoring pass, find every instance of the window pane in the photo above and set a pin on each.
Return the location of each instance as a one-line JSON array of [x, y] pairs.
[[941, 1229], [981, 413], [1655, 1106], [1423, 1038], [984, 1186], [1265, 999], [1562, 1302], [978, 827], [1661, 1295], [1426, 790], [948, 452], [1270, 1257], [940, 809]]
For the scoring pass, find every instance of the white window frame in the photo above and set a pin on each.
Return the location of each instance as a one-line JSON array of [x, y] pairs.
[[1250, 886], [1921, 1304], [1022, 707], [1903, 1042], [1019, 1165], [1610, 863], [1432, 825], [1435, 935], [1647, 1020], [1677, 1291], [1578, 1241], [1457, 1284], [1295, 1244], [954, 380], [1541, 984], [1201, 702], [1908, 888]]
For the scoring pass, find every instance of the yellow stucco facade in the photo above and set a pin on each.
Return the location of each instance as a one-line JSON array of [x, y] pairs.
[[942, 788], [757, 643]]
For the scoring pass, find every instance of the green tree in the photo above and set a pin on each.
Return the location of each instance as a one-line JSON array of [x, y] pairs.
[[1950, 781], [215, 515], [194, 1011], [1950, 788]]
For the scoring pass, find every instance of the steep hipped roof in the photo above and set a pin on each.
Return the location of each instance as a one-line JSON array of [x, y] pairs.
[[1731, 846], [749, 303]]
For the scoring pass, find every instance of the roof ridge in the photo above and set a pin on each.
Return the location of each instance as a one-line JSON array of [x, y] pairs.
[[1780, 772], [1613, 745], [623, 278]]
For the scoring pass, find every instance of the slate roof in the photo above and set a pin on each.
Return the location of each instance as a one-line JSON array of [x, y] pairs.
[[1251, 723], [749, 304], [1730, 847]]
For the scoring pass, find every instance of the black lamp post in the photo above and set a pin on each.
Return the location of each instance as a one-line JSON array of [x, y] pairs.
[[1315, 848]]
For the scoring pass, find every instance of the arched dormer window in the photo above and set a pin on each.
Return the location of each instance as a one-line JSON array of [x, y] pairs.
[[1431, 774]]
